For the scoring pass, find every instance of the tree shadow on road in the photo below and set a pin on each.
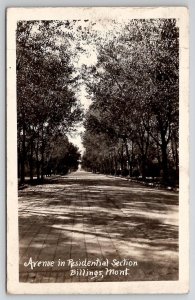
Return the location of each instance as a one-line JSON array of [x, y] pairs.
[[103, 219]]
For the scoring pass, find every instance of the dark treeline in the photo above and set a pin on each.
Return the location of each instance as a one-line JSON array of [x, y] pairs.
[[132, 123], [47, 108]]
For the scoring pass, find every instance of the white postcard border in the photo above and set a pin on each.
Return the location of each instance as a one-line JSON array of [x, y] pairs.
[[138, 287]]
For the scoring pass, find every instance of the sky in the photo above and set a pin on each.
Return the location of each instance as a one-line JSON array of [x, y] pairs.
[[88, 58], [75, 137]]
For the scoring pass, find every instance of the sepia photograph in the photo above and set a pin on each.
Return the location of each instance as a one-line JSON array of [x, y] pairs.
[[97, 147]]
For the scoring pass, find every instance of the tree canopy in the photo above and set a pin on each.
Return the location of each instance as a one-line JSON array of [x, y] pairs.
[[46, 100], [135, 92], [130, 74]]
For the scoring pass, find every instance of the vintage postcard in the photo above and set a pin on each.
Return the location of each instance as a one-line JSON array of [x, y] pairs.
[[97, 150]]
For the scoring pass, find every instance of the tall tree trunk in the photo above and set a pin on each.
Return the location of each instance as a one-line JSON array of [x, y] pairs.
[[174, 148], [38, 169], [128, 157], [23, 156], [37, 162], [31, 161], [176, 155], [164, 161], [122, 160], [176, 158], [42, 165], [111, 164], [131, 161], [42, 154], [115, 165], [158, 154], [143, 166]]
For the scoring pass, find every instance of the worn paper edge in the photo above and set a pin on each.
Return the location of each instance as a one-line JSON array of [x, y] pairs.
[[134, 287]]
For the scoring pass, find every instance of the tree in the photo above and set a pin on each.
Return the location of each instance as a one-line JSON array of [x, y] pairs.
[[134, 89], [46, 101]]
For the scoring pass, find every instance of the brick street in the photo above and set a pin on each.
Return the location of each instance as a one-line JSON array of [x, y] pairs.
[[85, 216]]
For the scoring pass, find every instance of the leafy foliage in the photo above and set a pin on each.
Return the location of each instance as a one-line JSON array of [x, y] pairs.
[[135, 91], [47, 104]]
